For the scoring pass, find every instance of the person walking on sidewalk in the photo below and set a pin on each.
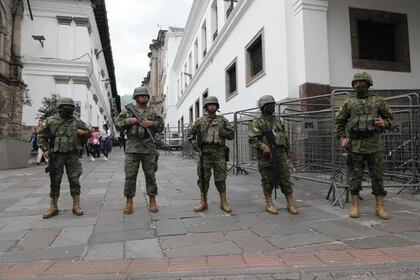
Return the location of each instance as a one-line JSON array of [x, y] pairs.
[[106, 141], [60, 143], [272, 155], [208, 134], [140, 148], [359, 123]]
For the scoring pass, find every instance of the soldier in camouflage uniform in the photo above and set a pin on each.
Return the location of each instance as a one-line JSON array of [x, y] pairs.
[[215, 129], [269, 122], [140, 148], [59, 139], [359, 123]]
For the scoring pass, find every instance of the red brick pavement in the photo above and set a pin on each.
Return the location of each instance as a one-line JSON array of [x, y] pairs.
[[324, 258]]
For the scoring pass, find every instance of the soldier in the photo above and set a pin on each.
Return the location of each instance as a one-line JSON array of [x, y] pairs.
[[140, 148], [359, 123], [60, 143], [257, 140], [213, 130]]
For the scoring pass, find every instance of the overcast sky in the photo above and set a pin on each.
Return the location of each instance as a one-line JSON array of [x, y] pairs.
[[133, 25]]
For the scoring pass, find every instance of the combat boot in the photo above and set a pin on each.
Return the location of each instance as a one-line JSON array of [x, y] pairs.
[[380, 209], [76, 206], [152, 204], [269, 205], [354, 211], [224, 204], [203, 203], [128, 209], [291, 205], [53, 210]]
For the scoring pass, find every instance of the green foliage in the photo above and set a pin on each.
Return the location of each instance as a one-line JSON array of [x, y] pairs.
[[49, 106]]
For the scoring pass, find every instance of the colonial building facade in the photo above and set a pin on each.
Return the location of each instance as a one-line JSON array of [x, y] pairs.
[[242, 50], [66, 51], [160, 79], [12, 87]]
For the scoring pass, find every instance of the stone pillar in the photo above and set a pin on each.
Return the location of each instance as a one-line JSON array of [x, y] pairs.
[[314, 71]]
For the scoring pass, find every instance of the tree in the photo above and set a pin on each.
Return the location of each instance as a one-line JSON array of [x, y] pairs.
[[49, 106]]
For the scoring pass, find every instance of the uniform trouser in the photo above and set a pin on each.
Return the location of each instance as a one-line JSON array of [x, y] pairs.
[[213, 157], [132, 164], [265, 167], [73, 170], [356, 165]]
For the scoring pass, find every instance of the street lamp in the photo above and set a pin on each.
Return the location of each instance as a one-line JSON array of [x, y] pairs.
[[39, 38]]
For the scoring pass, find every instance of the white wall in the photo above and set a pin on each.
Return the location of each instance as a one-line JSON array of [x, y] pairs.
[[213, 77], [340, 43], [68, 51]]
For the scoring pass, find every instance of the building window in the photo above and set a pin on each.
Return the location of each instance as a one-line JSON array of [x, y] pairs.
[[191, 115], [255, 58], [214, 20], [196, 53], [204, 96], [197, 108], [379, 40], [229, 6], [231, 80], [204, 38]]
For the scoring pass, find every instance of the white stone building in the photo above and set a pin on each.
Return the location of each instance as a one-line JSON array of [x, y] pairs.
[[66, 50], [241, 50]]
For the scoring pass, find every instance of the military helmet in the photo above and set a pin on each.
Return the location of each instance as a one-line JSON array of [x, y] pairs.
[[266, 99], [364, 76], [140, 91], [211, 100], [65, 101]]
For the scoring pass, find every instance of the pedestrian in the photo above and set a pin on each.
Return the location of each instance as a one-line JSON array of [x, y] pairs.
[[97, 143], [140, 148], [259, 133], [60, 143], [359, 123], [92, 142], [105, 141], [208, 134]]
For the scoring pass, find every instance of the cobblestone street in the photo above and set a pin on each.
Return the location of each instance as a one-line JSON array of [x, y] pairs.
[[176, 243]]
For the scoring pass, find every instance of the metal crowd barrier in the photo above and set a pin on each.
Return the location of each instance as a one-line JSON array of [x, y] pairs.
[[315, 154]]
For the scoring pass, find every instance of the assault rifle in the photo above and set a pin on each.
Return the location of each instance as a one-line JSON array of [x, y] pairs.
[[201, 158], [275, 182], [133, 111]]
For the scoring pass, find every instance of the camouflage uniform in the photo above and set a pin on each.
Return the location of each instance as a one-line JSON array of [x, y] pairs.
[[269, 122], [258, 141], [140, 148], [356, 121], [214, 131], [214, 150], [59, 135]]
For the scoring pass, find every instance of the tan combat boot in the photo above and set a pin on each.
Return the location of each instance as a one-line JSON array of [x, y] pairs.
[[224, 204], [269, 205], [380, 209], [53, 210], [291, 205], [202, 205], [354, 211], [152, 204], [76, 206], [128, 209]]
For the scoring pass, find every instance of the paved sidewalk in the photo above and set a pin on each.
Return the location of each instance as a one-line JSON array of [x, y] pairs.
[[177, 241]]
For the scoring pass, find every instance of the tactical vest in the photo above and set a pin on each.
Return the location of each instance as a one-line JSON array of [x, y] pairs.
[[137, 130], [212, 135], [65, 137], [363, 112], [278, 130]]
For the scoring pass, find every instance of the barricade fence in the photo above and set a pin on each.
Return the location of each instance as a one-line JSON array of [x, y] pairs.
[[315, 153]]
